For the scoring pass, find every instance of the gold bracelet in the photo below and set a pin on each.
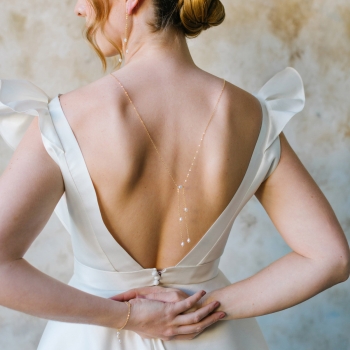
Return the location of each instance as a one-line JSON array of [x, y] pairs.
[[127, 319]]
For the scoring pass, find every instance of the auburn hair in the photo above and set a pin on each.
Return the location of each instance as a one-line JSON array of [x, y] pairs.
[[189, 17]]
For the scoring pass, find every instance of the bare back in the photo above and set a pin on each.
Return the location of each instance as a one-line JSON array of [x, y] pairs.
[[136, 195]]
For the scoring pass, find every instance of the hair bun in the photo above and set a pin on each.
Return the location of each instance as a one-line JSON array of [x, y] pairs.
[[199, 15]]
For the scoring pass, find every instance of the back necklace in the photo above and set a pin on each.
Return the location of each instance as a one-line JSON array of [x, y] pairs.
[[183, 209]]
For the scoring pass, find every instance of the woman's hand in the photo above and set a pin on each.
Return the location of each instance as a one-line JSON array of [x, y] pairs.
[[169, 320]]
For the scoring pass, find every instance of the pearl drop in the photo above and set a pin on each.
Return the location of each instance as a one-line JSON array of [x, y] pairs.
[[188, 240], [120, 59], [186, 210], [180, 186], [125, 40], [182, 244], [181, 219]]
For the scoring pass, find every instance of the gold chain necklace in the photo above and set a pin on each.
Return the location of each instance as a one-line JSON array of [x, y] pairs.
[[182, 217]]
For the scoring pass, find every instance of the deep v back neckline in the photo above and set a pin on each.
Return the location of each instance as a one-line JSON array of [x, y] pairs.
[[107, 241]]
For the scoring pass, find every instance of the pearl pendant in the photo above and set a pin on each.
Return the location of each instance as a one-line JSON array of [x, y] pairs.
[[125, 40], [182, 244], [181, 219], [186, 210], [120, 60], [179, 187], [188, 240]]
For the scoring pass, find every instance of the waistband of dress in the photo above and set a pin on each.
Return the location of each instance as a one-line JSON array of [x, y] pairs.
[[115, 280]]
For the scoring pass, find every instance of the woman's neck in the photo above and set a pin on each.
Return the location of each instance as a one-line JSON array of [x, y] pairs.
[[166, 45]]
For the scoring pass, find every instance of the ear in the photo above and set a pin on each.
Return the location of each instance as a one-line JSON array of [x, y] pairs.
[[132, 6]]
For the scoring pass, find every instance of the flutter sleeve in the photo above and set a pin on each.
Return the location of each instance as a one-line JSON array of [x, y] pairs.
[[20, 102], [282, 97]]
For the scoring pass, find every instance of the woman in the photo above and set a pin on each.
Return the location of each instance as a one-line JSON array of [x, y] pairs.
[[147, 169]]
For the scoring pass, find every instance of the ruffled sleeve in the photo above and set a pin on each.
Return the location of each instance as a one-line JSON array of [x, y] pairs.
[[282, 97], [20, 102]]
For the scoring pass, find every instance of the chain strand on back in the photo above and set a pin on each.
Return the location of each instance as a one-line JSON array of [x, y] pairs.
[[178, 186]]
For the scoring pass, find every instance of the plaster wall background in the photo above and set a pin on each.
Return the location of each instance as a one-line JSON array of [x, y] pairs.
[[41, 41]]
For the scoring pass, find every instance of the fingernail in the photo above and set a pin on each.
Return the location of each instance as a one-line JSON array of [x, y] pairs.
[[204, 292], [222, 315], [217, 304]]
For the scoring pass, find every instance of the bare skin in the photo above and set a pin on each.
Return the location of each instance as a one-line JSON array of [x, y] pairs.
[[130, 180], [304, 218]]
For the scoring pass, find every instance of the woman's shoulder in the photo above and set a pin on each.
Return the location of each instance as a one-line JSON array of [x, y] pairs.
[[244, 112], [238, 96], [90, 100], [242, 107]]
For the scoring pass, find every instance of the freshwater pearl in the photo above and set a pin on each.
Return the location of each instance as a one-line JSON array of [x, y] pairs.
[[182, 244], [188, 240], [186, 210]]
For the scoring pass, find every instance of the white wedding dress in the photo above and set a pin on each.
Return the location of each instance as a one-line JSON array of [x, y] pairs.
[[101, 266]]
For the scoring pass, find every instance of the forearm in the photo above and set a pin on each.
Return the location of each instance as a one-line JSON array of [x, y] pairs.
[[285, 283], [26, 289]]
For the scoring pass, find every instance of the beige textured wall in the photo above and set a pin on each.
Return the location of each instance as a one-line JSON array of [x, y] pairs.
[[41, 41]]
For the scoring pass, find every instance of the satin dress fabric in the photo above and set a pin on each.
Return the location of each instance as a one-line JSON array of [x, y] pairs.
[[101, 266]]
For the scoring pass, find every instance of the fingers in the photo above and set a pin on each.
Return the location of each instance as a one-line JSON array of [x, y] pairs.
[[197, 316], [200, 326], [184, 305]]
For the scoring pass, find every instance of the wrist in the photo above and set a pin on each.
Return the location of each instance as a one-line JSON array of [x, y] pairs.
[[213, 296], [120, 312], [207, 299], [127, 317]]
